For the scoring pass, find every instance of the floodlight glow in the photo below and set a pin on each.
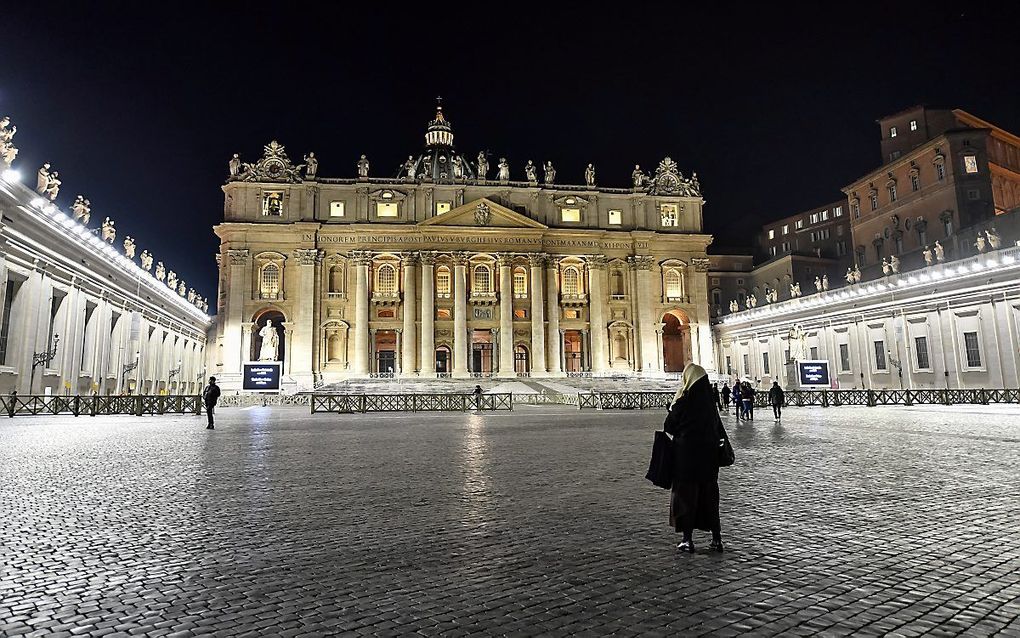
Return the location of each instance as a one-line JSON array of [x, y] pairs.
[[11, 176], [38, 202]]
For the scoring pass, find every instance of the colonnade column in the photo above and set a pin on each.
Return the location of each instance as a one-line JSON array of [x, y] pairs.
[[642, 265], [700, 291], [535, 262], [361, 260], [460, 346], [596, 311], [301, 361], [506, 317], [428, 313], [554, 344], [409, 345], [239, 290]]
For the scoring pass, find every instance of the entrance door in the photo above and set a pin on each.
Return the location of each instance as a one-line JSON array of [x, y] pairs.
[[442, 360], [387, 361], [674, 333], [521, 363], [572, 351], [481, 357]]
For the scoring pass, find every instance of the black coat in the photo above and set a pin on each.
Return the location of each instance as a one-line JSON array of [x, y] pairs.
[[694, 423], [211, 394]]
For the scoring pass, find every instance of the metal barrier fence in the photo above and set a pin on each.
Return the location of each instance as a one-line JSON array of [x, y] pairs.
[[822, 398], [349, 403], [95, 405]]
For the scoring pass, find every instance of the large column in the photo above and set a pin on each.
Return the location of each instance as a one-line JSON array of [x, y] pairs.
[[460, 336], [238, 291], [428, 314], [699, 292], [304, 329], [506, 317], [361, 260], [705, 343], [596, 311], [409, 344], [554, 344], [535, 262], [696, 345], [647, 342]]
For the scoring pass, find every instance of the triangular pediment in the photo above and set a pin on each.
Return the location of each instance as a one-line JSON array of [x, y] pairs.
[[483, 213]]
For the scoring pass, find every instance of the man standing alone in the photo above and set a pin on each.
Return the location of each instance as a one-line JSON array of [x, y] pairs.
[[210, 395], [776, 399], [725, 396]]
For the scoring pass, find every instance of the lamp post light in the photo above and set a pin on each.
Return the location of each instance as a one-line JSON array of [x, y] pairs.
[[896, 363], [42, 359], [173, 373], [128, 367]]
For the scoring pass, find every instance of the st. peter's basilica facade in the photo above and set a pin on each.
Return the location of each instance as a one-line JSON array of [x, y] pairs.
[[451, 269]]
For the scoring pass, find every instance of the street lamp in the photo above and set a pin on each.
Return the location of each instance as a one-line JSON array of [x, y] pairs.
[[896, 363], [173, 373], [128, 367], [42, 359]]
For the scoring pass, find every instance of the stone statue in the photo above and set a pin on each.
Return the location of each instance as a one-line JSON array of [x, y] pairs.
[[695, 184], [82, 209], [6, 130], [849, 276], [734, 306], [894, 264], [234, 165], [53, 186], [886, 269], [994, 241], [751, 300], [549, 173], [798, 342], [940, 252], [796, 287], [927, 256], [182, 288], [589, 176], [171, 280], [270, 350], [637, 177], [108, 232], [530, 172], [7, 150], [43, 179], [146, 259], [980, 244], [775, 295], [825, 282], [191, 295], [311, 166], [363, 167], [129, 247], [483, 165], [205, 305], [160, 271], [458, 167], [504, 170], [409, 168], [857, 274], [818, 284]]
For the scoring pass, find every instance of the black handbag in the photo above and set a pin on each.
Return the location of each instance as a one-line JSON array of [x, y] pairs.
[[660, 469], [726, 456]]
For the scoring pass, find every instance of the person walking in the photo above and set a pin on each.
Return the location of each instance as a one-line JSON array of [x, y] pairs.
[[739, 407], [210, 395], [477, 394], [747, 397], [694, 424], [716, 396], [725, 396], [776, 399]]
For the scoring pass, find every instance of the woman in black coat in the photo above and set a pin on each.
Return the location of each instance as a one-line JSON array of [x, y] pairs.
[[694, 423]]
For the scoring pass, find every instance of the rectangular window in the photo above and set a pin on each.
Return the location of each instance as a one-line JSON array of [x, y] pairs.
[[570, 214], [387, 209], [786, 246], [615, 217], [772, 251], [443, 313], [814, 353], [716, 297], [786, 229], [915, 183], [913, 125], [841, 248], [800, 224], [772, 233], [765, 363], [940, 171], [973, 194], [895, 155], [272, 203], [844, 357], [571, 314], [814, 218], [892, 192], [880, 355], [892, 131], [5, 328], [670, 214], [874, 201], [970, 164], [520, 313], [837, 211], [336, 209], [747, 365], [443, 207], [970, 342], [921, 350], [812, 236], [824, 215]]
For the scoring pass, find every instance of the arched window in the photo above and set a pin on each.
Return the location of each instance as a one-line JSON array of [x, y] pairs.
[[269, 286], [387, 280], [443, 281], [336, 279], [571, 281], [520, 283], [482, 282], [674, 284]]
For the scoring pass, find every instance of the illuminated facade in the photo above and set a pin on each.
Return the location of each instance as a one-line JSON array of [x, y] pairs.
[[452, 269]]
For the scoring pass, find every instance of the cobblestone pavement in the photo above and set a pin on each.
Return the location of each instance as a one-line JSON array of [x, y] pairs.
[[900, 521]]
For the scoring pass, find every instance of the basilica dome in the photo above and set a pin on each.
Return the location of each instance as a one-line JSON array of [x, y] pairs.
[[439, 161]]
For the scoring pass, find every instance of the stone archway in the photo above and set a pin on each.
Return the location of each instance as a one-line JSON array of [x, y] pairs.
[[676, 340], [258, 322]]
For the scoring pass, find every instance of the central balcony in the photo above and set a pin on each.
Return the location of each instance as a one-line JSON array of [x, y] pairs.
[[385, 298], [573, 299], [483, 298]]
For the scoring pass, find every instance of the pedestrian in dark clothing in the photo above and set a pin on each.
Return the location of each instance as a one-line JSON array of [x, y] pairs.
[[477, 394], [695, 427], [726, 395], [716, 396], [747, 396], [776, 399], [736, 399], [210, 395]]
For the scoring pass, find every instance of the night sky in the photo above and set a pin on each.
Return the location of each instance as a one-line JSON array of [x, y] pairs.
[[140, 110]]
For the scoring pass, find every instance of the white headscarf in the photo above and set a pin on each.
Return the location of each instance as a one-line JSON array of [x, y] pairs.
[[691, 373]]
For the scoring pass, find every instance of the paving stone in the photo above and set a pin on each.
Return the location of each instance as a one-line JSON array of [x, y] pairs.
[[839, 521]]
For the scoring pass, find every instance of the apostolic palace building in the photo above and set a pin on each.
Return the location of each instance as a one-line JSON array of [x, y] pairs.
[[453, 267]]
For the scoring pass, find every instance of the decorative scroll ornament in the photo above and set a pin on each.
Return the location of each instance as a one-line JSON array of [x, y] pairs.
[[274, 166], [669, 180], [483, 215]]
